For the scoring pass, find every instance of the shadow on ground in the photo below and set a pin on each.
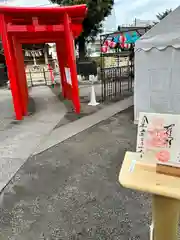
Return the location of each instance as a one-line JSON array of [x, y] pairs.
[[71, 191], [31, 111], [86, 110]]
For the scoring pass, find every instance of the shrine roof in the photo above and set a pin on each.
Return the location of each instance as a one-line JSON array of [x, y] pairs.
[[75, 11]]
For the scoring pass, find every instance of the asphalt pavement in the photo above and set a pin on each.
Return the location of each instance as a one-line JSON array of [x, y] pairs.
[[71, 191]]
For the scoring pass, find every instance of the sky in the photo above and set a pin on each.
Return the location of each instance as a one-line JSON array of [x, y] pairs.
[[128, 10], [125, 10]]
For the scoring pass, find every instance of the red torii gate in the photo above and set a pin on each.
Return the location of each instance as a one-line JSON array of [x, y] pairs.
[[60, 25]]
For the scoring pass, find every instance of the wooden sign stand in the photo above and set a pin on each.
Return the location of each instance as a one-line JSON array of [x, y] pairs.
[[162, 182]]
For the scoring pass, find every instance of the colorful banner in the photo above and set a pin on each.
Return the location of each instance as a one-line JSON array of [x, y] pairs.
[[122, 41]]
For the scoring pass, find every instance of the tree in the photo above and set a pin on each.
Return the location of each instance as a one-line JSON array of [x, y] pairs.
[[98, 10], [162, 15]]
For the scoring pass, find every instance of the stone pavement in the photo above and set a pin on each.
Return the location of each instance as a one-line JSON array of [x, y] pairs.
[[18, 140], [6, 108], [71, 191]]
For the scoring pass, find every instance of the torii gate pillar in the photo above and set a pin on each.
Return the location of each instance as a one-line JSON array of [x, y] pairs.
[[31, 25]]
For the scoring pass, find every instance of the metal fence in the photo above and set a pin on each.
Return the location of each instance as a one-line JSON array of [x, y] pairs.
[[117, 74], [117, 63], [38, 77], [117, 82]]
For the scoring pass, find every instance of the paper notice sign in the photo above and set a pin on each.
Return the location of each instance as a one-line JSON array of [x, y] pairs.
[[68, 76], [158, 138]]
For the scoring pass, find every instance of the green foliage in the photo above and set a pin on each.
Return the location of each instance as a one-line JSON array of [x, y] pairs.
[[162, 15], [97, 11]]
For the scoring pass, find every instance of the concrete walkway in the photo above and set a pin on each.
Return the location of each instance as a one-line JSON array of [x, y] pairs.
[[60, 134], [18, 140]]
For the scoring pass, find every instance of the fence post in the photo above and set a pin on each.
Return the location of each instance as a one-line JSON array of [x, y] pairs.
[[30, 78], [44, 73], [129, 77], [115, 83], [132, 74], [120, 79], [104, 84]]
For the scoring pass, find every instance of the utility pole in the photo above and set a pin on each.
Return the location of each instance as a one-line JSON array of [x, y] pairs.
[[135, 22]]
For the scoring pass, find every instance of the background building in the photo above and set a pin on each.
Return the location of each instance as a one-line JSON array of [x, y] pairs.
[[143, 23]]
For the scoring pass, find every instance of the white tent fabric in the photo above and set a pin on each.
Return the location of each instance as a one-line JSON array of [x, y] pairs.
[[164, 34], [157, 68]]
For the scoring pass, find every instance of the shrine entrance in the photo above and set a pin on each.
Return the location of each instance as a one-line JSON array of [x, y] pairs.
[[41, 25]]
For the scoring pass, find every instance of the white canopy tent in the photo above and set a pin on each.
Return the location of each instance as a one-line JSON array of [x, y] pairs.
[[157, 68]]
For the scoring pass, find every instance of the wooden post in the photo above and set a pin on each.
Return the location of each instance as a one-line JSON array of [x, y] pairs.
[[21, 74], [46, 56], [71, 62], [60, 57], [11, 62], [165, 213]]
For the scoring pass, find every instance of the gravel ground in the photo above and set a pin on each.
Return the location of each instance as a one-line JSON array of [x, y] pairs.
[[71, 191]]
